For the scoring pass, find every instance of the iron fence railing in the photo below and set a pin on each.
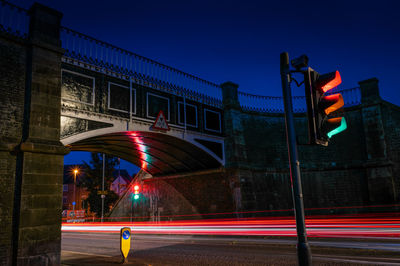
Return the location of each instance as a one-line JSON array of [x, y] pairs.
[[13, 19], [143, 70], [351, 96], [268, 104], [265, 104]]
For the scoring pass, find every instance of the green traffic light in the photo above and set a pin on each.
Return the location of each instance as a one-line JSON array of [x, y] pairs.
[[342, 127], [136, 197]]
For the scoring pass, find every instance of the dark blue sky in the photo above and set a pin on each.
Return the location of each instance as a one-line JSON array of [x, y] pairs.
[[241, 40]]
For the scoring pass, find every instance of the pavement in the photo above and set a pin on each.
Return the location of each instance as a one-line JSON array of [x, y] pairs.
[[103, 249]]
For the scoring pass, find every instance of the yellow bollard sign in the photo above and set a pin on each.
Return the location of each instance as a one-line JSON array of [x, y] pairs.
[[125, 242]]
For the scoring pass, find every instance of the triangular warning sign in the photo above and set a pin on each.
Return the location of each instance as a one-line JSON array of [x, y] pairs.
[[161, 122]]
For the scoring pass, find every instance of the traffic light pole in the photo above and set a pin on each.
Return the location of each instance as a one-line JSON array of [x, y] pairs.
[[303, 248], [102, 188]]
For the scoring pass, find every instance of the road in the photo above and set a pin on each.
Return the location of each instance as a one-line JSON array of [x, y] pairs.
[[95, 248]]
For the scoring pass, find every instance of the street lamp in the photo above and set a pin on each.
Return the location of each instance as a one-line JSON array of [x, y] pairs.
[[74, 202]]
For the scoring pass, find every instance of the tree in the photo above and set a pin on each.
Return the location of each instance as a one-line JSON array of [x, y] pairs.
[[92, 181]]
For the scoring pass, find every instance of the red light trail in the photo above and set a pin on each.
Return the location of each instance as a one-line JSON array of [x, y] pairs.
[[360, 226]]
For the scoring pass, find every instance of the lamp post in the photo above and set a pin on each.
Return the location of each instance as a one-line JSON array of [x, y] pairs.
[[74, 202]]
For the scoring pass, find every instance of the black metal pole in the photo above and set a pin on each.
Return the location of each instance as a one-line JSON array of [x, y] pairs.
[[102, 188], [303, 248]]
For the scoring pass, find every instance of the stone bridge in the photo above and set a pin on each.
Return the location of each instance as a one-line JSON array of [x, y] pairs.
[[61, 90]]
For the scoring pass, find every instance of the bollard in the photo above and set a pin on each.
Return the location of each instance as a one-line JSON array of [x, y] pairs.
[[125, 243]]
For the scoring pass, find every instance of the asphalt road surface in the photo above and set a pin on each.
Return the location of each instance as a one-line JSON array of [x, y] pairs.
[[103, 249]]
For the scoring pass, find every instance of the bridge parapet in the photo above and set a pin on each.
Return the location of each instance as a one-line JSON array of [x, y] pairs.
[[141, 70], [87, 90]]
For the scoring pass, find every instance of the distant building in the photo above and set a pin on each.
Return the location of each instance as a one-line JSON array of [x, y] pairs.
[[121, 182]]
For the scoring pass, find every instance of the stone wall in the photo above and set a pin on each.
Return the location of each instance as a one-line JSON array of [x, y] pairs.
[[31, 155], [391, 122], [360, 167], [12, 85]]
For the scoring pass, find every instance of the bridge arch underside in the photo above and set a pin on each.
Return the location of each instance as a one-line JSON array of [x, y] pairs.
[[156, 153]]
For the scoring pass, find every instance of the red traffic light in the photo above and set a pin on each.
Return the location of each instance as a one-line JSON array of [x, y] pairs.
[[135, 189], [329, 81]]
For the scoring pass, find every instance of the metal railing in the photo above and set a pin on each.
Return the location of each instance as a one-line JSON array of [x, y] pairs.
[[351, 96], [258, 103], [143, 70], [268, 104], [13, 19]]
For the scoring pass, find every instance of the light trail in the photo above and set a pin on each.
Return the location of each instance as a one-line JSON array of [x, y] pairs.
[[361, 226]]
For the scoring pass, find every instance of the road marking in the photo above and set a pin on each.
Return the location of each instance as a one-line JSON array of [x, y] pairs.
[[357, 261], [357, 257], [88, 254]]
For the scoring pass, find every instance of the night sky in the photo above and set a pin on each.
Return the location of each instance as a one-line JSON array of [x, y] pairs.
[[241, 41]]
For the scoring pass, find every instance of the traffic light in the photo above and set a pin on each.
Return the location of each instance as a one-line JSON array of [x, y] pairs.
[[136, 192], [322, 123]]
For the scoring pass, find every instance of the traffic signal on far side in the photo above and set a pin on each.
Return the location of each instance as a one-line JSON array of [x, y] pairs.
[[321, 108], [136, 192]]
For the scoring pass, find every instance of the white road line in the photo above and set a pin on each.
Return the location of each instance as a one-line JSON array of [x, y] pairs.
[[87, 254], [359, 261]]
